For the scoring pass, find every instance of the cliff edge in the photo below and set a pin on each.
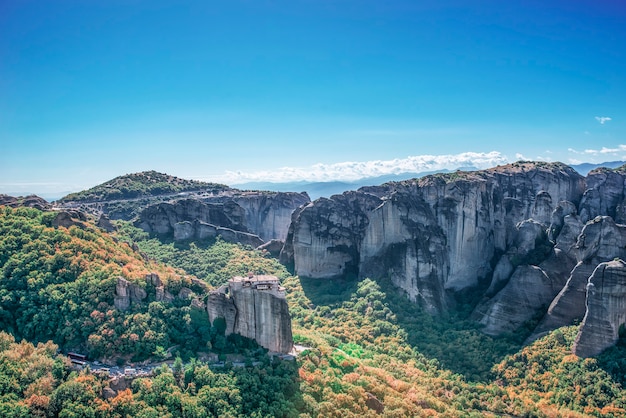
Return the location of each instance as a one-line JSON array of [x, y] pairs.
[[254, 307]]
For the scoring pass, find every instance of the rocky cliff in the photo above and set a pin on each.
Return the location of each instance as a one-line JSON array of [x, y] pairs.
[[433, 235], [605, 309], [530, 234], [188, 210], [251, 218], [254, 307]]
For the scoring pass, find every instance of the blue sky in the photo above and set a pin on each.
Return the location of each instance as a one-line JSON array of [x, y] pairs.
[[284, 90]]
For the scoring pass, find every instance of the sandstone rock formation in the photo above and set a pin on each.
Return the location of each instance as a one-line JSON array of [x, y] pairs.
[[127, 292], [197, 230], [250, 218], [105, 223], [432, 235], [605, 195], [273, 246], [268, 214], [254, 307], [600, 240], [162, 218], [606, 309], [531, 234]]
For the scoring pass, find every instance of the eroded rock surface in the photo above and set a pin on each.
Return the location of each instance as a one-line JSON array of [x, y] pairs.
[[254, 307], [601, 240], [531, 233], [432, 235], [606, 309], [250, 218]]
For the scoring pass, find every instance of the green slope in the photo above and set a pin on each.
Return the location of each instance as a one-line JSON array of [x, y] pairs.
[[370, 352]]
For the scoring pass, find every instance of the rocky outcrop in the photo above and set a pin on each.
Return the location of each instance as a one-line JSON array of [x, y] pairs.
[[254, 307], [31, 201], [433, 235], [274, 247], [525, 281], [68, 218], [250, 218], [605, 195], [601, 240], [162, 218], [605, 309], [326, 235], [268, 214], [105, 223], [531, 233], [529, 290], [126, 293]]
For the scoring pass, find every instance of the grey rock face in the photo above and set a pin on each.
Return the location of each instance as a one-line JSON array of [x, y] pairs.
[[528, 291], [256, 308], [532, 286], [220, 305], [604, 195], [431, 235], [162, 218], [127, 292], [122, 296], [606, 309], [601, 240], [268, 214], [403, 241], [249, 218], [274, 247], [537, 231], [327, 235]]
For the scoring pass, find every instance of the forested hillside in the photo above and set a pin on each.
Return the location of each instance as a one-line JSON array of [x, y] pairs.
[[369, 351]]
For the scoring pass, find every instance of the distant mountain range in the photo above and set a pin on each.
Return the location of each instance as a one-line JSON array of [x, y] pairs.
[[585, 168], [327, 189]]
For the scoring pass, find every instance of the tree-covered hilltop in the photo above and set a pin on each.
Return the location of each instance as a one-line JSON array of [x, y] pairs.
[[143, 184]]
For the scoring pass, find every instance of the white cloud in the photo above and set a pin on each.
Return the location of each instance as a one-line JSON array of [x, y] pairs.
[[354, 170], [602, 119], [605, 150]]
